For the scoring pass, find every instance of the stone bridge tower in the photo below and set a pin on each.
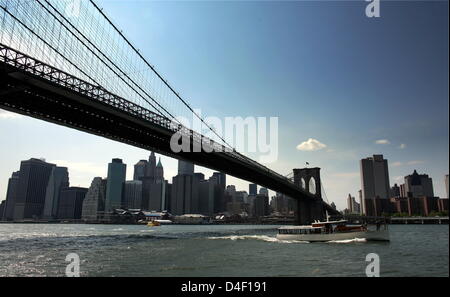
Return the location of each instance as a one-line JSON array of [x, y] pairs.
[[309, 210]]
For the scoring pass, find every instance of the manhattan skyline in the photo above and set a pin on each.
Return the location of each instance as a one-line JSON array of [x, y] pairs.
[[394, 102]]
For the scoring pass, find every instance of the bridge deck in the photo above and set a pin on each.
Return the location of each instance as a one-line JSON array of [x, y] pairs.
[[33, 88]]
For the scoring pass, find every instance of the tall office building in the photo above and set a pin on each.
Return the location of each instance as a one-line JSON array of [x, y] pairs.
[[94, 202], [132, 194], [260, 206], [11, 195], [221, 179], [206, 197], [446, 184], [361, 202], [185, 168], [117, 171], [33, 180], [185, 190], [159, 194], [71, 203], [241, 196], [158, 190], [59, 179], [264, 191], [154, 173], [350, 203], [418, 185], [231, 192], [252, 189], [353, 206], [140, 170], [280, 204], [395, 191], [2, 209], [375, 177]]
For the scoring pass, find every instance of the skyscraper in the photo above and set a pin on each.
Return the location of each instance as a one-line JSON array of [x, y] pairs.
[[151, 168], [418, 185], [395, 191], [71, 203], [153, 173], [59, 179], [264, 191], [252, 189], [260, 205], [221, 179], [11, 195], [33, 180], [116, 177], [132, 194], [159, 172], [446, 184], [94, 202], [185, 168], [375, 177], [353, 206], [350, 203], [158, 190], [140, 170], [185, 190]]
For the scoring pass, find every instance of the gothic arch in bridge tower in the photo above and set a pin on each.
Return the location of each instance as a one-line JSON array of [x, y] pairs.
[[309, 210], [309, 180], [312, 185]]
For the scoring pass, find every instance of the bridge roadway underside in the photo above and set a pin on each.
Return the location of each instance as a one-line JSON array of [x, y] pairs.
[[30, 95]]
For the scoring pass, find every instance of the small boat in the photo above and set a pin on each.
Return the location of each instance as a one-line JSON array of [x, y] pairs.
[[333, 231], [153, 224]]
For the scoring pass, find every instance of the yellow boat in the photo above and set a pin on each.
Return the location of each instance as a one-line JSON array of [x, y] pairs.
[[153, 224]]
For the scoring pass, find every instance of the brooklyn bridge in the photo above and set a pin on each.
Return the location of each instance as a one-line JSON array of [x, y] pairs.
[[77, 69]]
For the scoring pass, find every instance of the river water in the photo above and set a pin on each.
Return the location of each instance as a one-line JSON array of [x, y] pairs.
[[213, 250]]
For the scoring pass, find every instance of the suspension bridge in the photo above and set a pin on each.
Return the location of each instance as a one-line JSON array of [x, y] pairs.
[[79, 70]]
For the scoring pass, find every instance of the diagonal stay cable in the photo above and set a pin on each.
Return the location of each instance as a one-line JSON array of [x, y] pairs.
[[50, 46], [106, 57], [157, 74]]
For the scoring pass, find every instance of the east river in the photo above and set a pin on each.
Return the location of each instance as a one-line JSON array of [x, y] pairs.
[[213, 250]]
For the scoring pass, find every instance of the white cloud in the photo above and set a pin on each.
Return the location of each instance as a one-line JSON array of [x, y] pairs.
[[396, 164], [311, 145], [382, 141], [399, 178], [8, 115], [402, 146]]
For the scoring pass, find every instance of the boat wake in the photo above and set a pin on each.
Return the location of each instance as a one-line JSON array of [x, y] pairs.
[[257, 237], [348, 240]]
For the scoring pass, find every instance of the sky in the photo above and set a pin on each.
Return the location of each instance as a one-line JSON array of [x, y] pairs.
[[343, 86]]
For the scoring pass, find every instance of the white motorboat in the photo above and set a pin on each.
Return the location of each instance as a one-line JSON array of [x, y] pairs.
[[333, 231]]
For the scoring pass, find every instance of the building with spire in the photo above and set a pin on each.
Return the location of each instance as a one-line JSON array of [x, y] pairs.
[[159, 190], [151, 168], [159, 172]]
